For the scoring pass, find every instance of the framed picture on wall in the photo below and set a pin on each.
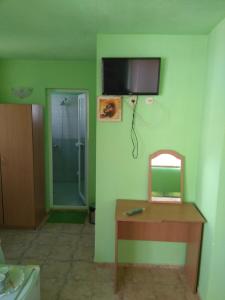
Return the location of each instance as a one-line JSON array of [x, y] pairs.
[[109, 108]]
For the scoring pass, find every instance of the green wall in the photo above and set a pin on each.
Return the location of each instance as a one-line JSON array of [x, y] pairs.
[[172, 122], [42, 75], [211, 192]]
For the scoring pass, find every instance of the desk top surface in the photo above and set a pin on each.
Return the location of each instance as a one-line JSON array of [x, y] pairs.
[[158, 212]]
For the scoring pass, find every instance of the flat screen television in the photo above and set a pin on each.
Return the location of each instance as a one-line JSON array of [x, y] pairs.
[[130, 76]]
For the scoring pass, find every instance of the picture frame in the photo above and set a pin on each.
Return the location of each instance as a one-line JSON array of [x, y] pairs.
[[109, 108]]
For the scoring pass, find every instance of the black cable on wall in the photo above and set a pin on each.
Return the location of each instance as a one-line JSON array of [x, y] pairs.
[[133, 135]]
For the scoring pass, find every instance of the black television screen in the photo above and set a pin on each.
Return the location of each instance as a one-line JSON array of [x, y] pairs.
[[130, 76]]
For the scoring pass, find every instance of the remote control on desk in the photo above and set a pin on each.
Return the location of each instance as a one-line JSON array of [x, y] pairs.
[[135, 211]]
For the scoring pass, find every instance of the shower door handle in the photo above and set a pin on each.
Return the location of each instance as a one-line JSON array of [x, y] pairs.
[[78, 144]]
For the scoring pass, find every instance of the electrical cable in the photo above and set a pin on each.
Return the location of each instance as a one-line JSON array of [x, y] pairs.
[[133, 135]]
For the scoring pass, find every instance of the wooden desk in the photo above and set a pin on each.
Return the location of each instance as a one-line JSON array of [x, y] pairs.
[[162, 222]]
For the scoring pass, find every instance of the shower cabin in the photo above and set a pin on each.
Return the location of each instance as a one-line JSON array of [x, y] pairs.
[[69, 148]]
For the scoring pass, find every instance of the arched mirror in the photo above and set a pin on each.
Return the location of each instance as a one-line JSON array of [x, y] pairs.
[[166, 176]]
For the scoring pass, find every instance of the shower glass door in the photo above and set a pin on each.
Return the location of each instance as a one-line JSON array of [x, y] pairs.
[[69, 133]]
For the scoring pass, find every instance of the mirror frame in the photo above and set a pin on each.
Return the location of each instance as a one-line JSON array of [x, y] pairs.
[[177, 155]]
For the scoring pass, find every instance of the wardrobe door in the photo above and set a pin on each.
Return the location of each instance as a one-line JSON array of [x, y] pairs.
[[38, 155], [17, 165]]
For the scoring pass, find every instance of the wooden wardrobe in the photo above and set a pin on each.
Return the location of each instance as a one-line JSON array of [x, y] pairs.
[[22, 181]]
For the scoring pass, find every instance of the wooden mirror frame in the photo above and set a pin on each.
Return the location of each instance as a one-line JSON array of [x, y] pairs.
[[177, 155]]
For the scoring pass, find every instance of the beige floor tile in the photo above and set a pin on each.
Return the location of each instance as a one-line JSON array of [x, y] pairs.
[[62, 253], [83, 271], [72, 228], [76, 290], [32, 261], [107, 296], [138, 275], [169, 292], [89, 229], [13, 251], [103, 291], [46, 238], [50, 288], [84, 253], [66, 239], [52, 227], [55, 270], [4, 232], [138, 291], [38, 251], [165, 276], [190, 296], [12, 261], [104, 275], [39, 243], [18, 237], [87, 240], [183, 279], [138, 283]]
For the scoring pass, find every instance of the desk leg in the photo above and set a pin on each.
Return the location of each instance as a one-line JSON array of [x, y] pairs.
[[116, 259], [193, 255]]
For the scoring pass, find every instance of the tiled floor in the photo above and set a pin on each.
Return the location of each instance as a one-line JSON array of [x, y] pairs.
[[65, 254]]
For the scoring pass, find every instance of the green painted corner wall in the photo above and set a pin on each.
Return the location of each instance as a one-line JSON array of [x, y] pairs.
[[43, 75], [211, 191], [172, 122]]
